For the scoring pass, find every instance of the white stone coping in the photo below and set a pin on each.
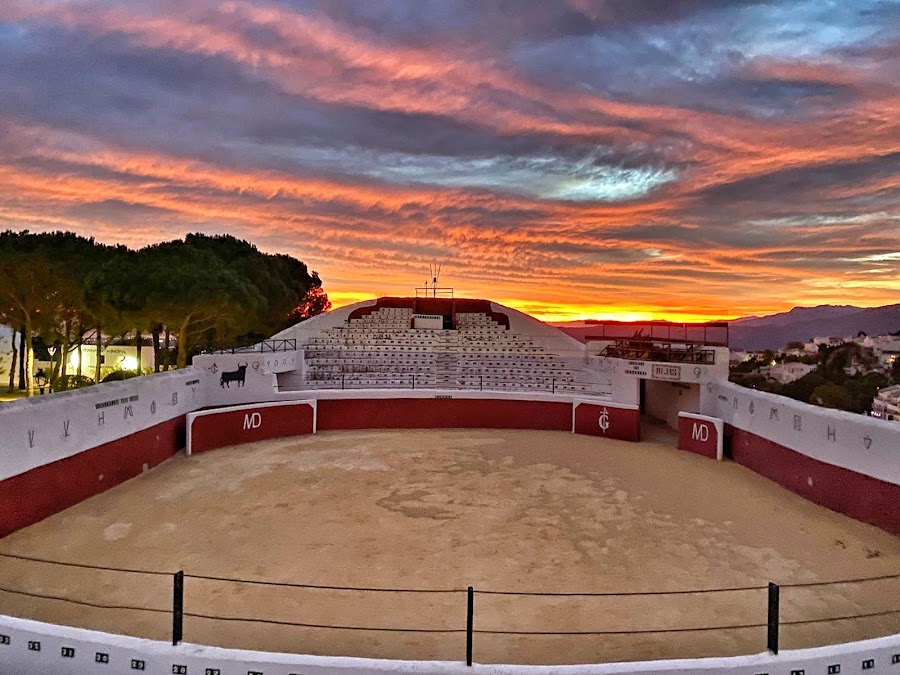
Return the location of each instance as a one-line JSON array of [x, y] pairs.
[[160, 657], [610, 404], [441, 393]]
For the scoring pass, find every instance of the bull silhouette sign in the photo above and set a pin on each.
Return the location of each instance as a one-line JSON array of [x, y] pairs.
[[229, 376]]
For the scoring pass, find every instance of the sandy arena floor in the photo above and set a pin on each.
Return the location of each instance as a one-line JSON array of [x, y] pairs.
[[498, 510]]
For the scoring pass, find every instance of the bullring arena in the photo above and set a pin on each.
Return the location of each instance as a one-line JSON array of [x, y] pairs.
[[615, 502]]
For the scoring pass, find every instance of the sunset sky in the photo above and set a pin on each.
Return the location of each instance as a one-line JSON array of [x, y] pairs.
[[573, 159]]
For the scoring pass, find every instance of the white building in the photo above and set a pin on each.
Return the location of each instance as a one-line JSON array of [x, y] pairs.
[[887, 403], [886, 348], [887, 359], [113, 357], [124, 357], [735, 357], [788, 372], [830, 341]]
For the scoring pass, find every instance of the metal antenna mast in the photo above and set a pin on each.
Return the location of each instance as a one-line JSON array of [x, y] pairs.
[[435, 271], [432, 288]]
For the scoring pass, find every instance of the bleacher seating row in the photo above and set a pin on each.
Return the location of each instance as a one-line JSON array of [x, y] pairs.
[[380, 349]]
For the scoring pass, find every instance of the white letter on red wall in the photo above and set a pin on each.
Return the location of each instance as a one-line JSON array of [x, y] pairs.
[[700, 432], [252, 420]]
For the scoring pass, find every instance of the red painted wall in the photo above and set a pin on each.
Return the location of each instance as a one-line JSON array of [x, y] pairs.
[[380, 303], [439, 413], [467, 306], [624, 424], [856, 495], [233, 427], [691, 434], [32, 496]]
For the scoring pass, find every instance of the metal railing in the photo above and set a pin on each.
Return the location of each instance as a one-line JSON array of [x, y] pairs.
[[368, 378], [714, 333], [639, 350], [433, 292], [264, 347], [768, 611]]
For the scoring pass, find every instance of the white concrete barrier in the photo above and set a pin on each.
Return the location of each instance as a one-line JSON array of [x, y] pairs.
[[30, 647], [859, 443], [43, 429]]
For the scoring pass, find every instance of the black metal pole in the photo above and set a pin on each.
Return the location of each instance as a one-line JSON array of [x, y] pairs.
[[553, 386], [178, 608], [470, 615], [481, 383], [414, 380], [772, 640], [342, 380]]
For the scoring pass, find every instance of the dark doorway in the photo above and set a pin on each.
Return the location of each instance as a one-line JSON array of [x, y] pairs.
[[727, 439], [642, 389]]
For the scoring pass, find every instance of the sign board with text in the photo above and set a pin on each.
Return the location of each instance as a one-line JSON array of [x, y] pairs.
[[666, 372], [637, 368], [669, 372]]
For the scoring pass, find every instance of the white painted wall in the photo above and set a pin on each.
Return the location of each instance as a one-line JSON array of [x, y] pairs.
[[428, 321], [44, 429], [89, 360], [160, 658], [118, 357], [625, 389], [260, 382], [40, 430], [666, 399], [863, 444], [690, 373]]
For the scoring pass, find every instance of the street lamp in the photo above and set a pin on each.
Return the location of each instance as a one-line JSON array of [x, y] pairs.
[[41, 379]]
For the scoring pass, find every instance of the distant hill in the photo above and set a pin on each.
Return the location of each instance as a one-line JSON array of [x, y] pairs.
[[753, 333], [803, 323]]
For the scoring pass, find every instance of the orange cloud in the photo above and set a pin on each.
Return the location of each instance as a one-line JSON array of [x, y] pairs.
[[754, 212]]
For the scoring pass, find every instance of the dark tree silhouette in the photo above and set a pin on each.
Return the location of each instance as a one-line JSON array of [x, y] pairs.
[[207, 290]]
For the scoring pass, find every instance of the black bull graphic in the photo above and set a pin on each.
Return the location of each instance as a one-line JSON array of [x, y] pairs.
[[229, 376]]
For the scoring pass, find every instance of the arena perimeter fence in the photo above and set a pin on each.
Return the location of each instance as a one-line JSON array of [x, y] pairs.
[[773, 621], [489, 382]]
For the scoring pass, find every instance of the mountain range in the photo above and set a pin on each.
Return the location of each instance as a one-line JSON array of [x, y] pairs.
[[801, 324], [804, 323]]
